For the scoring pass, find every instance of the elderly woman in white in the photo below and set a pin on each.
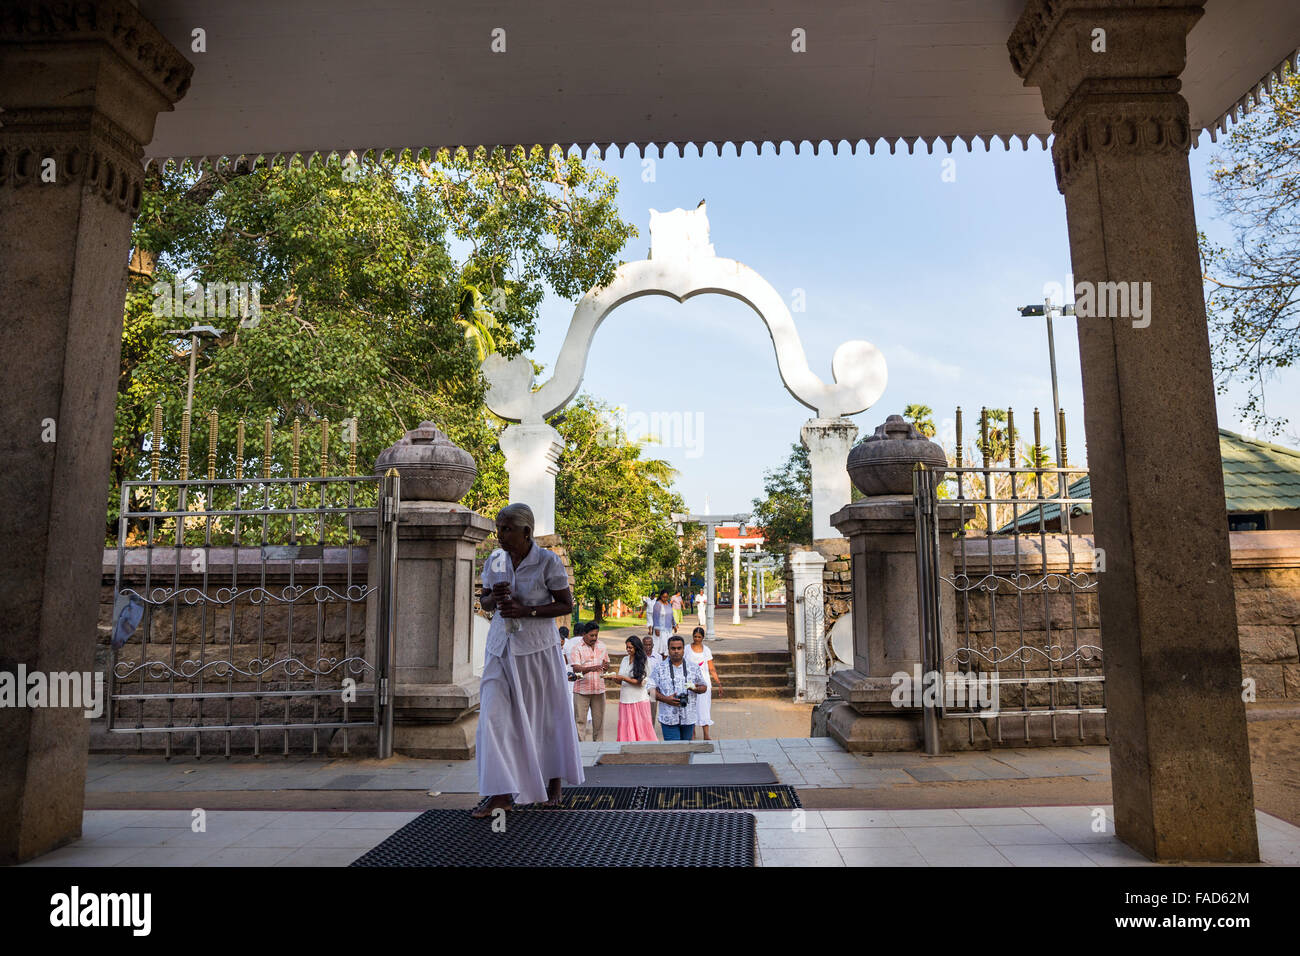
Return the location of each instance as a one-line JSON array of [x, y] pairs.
[[527, 741]]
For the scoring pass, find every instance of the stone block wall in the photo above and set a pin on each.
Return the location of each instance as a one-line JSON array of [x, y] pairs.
[[1266, 574], [187, 634]]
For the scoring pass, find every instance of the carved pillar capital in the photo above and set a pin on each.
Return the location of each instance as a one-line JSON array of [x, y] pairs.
[[1108, 72], [84, 83]]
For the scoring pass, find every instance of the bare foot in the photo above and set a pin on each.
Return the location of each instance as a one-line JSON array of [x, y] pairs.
[[553, 793], [499, 802]]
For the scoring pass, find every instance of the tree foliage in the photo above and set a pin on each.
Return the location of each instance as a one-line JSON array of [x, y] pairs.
[[380, 284], [1253, 285], [785, 510], [613, 508]]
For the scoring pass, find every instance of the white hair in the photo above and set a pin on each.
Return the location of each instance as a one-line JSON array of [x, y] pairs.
[[520, 513]]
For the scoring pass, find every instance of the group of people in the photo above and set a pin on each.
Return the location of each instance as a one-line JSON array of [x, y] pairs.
[[677, 682], [527, 739], [658, 612]]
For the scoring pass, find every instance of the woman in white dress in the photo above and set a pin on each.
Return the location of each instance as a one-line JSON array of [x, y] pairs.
[[527, 742], [697, 653]]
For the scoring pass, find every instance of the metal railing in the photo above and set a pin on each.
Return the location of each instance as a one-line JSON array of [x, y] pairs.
[[1020, 598], [230, 569]]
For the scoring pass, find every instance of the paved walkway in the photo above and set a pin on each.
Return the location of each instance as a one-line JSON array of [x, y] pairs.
[[765, 631], [1006, 836], [1002, 808]]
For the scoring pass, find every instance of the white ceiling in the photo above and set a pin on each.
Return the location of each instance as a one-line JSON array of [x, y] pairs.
[[284, 76]]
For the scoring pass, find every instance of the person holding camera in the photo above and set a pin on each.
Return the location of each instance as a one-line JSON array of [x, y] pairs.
[[677, 682]]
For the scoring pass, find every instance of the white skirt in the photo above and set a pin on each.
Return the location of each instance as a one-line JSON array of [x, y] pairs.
[[702, 702], [661, 635], [526, 733]]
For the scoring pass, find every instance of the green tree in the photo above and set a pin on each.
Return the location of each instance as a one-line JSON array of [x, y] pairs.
[[922, 416], [381, 282], [785, 510], [613, 508], [1253, 286]]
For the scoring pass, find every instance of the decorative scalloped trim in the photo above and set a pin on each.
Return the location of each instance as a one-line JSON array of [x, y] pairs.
[[590, 150], [1253, 96]]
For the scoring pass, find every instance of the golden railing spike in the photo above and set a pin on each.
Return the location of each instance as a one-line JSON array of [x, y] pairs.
[[984, 435], [1064, 463], [266, 449], [297, 444], [155, 455], [324, 447], [1038, 438], [239, 450], [352, 449], [212, 444], [959, 451], [185, 445], [1011, 437]]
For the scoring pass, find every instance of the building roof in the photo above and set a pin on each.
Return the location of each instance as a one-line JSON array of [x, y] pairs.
[[320, 76], [1257, 476], [751, 533]]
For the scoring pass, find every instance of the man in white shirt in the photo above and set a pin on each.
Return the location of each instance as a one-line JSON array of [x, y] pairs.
[[677, 682]]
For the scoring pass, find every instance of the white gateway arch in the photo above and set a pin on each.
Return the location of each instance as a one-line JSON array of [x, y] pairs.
[[682, 265]]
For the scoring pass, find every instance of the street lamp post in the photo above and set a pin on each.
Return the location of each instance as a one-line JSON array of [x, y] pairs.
[[1046, 310], [195, 333]]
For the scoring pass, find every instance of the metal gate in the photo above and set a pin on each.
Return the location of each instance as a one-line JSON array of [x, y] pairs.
[[1025, 631], [253, 620]]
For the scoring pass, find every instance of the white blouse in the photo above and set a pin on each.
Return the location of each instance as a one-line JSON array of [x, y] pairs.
[[531, 583], [630, 693]]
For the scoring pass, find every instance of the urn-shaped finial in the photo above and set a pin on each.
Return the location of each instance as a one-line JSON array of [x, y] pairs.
[[882, 463], [431, 466]]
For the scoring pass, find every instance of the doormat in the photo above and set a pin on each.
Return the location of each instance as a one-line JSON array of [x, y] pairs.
[[574, 838], [722, 797], [669, 775]]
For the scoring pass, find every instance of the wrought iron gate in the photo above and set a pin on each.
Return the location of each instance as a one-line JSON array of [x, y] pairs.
[[253, 619], [1022, 598]]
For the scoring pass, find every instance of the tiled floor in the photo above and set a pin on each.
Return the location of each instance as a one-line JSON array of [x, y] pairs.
[[1004, 836], [801, 762]]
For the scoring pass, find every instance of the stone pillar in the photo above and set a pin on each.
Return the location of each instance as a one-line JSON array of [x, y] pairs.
[[434, 687], [735, 582], [828, 441], [531, 453], [435, 692], [1179, 753], [886, 631], [83, 84], [805, 570]]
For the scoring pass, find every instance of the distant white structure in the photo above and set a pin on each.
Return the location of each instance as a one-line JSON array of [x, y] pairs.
[[680, 234], [682, 264]]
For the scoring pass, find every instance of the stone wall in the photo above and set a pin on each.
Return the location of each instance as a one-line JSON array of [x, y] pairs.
[[321, 634], [1266, 574]]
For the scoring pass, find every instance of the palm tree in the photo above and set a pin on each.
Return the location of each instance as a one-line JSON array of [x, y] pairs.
[[479, 323], [922, 416]]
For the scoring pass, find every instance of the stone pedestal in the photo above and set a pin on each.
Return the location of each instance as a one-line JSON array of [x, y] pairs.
[[435, 692], [83, 84], [531, 453], [886, 636], [828, 441], [805, 571], [1179, 754]]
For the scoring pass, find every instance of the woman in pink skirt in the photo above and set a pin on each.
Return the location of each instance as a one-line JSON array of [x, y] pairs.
[[634, 719]]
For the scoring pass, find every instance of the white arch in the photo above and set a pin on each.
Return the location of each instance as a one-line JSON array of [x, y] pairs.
[[686, 267], [857, 367]]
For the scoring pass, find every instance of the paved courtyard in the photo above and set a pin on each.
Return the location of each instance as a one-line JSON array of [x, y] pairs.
[[1040, 807]]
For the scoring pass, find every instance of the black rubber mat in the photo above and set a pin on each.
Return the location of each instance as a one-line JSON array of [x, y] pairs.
[[573, 838], [678, 775], [762, 797]]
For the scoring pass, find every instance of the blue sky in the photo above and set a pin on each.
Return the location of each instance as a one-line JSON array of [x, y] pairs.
[[884, 249]]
